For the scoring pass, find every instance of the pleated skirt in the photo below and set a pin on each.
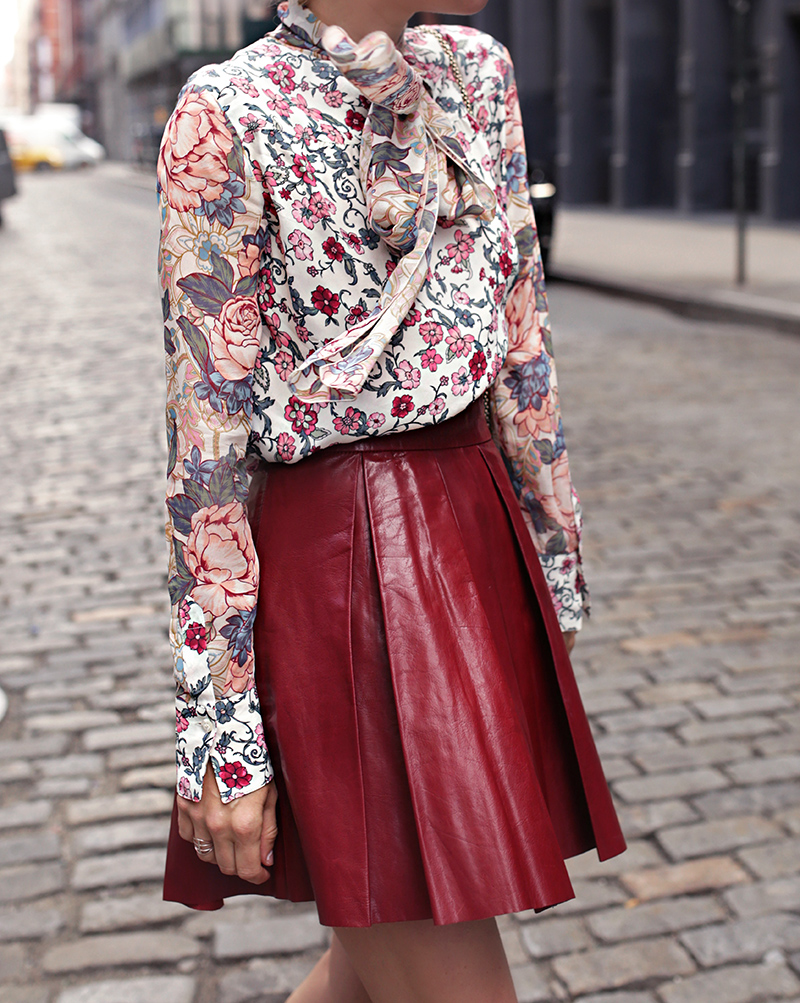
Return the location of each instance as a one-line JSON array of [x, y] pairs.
[[431, 751]]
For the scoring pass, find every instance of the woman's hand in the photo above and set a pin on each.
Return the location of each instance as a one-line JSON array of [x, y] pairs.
[[242, 832], [570, 636]]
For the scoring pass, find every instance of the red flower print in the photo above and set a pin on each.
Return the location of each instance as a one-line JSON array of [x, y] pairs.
[[181, 724], [285, 446], [506, 265], [401, 406], [350, 422], [357, 313], [355, 120], [196, 637], [303, 169], [325, 301], [333, 249], [477, 365], [302, 416], [412, 317], [430, 359], [354, 241], [234, 775]]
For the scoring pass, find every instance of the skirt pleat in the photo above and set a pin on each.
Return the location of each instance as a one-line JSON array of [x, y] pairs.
[[432, 755]]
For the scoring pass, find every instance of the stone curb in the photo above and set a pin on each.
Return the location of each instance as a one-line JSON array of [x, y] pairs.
[[726, 305]]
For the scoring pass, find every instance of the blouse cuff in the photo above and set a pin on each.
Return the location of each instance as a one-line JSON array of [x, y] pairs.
[[564, 576], [230, 733]]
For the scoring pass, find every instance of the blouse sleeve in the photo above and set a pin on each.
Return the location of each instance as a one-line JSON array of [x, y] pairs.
[[211, 214], [525, 405]]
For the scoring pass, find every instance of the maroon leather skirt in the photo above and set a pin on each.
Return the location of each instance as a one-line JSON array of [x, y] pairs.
[[431, 752]]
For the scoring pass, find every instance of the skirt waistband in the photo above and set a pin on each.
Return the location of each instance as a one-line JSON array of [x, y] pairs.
[[467, 428]]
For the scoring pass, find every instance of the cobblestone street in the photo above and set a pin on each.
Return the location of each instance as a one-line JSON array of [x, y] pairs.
[[685, 445]]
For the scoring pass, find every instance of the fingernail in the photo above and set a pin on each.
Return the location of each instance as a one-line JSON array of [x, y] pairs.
[[268, 861]]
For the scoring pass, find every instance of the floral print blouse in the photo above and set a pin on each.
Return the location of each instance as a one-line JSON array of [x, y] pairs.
[[346, 251]]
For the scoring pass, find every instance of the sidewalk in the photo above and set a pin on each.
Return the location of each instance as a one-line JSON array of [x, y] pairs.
[[685, 264]]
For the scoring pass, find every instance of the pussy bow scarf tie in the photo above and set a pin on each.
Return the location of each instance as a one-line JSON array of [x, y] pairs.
[[406, 143]]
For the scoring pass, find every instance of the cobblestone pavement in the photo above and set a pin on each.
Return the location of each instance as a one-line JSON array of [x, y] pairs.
[[686, 446]]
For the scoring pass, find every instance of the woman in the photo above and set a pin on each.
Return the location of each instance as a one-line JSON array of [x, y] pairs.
[[352, 287]]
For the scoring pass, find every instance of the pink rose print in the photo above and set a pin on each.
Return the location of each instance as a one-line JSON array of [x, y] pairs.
[[462, 298], [459, 344], [196, 637], [260, 740], [276, 333], [333, 98], [463, 247], [461, 380], [220, 557], [181, 724], [235, 338], [185, 788], [286, 446], [245, 86], [301, 245], [436, 406], [183, 613], [249, 259], [252, 125], [234, 775], [431, 333], [193, 161], [430, 359], [409, 376], [376, 420], [523, 327], [310, 211]]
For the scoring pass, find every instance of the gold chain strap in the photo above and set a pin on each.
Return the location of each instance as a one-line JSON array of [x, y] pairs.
[[452, 58]]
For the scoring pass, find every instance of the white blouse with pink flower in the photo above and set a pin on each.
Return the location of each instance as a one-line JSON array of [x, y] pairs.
[[306, 303]]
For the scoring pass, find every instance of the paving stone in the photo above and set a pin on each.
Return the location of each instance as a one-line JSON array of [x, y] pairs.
[[589, 894], [643, 819], [286, 935], [617, 998], [681, 879], [73, 720], [103, 915], [791, 819], [112, 950], [46, 745], [765, 897], [24, 849], [653, 918], [546, 937], [151, 776], [118, 869], [734, 727], [24, 924], [740, 706], [13, 961], [717, 836], [155, 989], [19, 884], [743, 940], [685, 756], [613, 967], [638, 854], [262, 978], [734, 984], [128, 734], [66, 766], [530, 984], [118, 835], [636, 720], [63, 787], [671, 693], [128, 805], [142, 755], [773, 860], [626, 743], [759, 800], [756, 771], [671, 785], [24, 814], [25, 994]]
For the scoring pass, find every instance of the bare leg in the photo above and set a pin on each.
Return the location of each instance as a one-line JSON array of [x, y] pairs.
[[332, 980], [418, 962]]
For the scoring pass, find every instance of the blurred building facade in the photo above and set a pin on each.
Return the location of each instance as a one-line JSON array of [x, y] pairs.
[[630, 100], [626, 102]]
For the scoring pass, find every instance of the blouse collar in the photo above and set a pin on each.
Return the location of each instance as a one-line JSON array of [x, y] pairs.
[[307, 29]]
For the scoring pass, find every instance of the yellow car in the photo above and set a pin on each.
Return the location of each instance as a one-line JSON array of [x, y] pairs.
[[41, 144]]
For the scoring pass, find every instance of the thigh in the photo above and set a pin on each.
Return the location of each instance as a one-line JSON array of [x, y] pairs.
[[418, 962]]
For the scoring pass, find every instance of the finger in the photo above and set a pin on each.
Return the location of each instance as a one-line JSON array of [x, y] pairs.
[[185, 823], [225, 856], [269, 826], [203, 836], [248, 862]]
